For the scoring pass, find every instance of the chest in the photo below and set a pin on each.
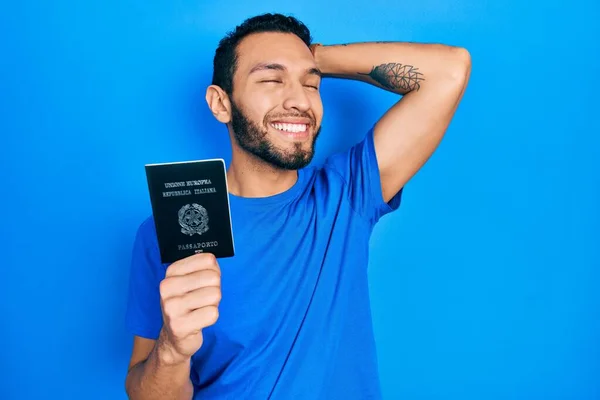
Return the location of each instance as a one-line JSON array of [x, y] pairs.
[[294, 267]]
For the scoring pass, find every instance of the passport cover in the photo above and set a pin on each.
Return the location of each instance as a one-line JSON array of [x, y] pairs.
[[190, 206]]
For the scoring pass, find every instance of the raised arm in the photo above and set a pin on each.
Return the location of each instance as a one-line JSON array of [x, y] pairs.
[[432, 79]]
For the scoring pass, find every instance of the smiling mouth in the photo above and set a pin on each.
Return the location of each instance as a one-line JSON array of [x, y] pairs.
[[290, 128], [292, 131]]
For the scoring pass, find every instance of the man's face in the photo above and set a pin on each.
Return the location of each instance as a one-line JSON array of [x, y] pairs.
[[276, 105]]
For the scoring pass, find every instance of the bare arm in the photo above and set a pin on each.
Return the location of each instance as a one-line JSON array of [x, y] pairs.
[[152, 377], [189, 295], [432, 79]]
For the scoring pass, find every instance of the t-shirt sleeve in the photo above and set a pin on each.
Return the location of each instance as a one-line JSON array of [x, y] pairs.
[[359, 169], [144, 315]]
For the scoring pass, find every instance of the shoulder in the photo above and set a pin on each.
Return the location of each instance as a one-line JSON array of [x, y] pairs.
[[356, 171], [145, 248], [359, 154], [344, 166], [323, 182], [339, 165], [146, 232]]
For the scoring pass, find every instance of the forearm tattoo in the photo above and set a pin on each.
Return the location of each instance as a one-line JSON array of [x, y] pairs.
[[397, 77]]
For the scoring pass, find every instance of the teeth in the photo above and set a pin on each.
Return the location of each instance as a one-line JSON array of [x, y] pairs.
[[294, 128]]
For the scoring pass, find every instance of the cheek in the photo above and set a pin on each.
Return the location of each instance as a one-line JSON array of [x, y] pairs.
[[317, 106], [259, 105]]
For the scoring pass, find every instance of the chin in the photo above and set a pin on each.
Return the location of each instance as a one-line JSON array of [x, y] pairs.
[[290, 160]]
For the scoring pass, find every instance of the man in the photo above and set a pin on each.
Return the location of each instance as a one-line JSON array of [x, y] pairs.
[[288, 316]]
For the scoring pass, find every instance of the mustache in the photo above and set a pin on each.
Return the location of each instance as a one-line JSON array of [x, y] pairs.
[[272, 117]]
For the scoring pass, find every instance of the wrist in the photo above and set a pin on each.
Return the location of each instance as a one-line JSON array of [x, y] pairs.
[[167, 355], [324, 56], [313, 48]]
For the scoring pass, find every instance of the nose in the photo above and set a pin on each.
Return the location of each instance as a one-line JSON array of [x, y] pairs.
[[296, 98]]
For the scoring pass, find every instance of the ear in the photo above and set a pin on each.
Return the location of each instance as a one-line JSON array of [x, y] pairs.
[[218, 102]]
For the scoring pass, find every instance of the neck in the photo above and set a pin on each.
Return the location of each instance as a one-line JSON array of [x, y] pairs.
[[250, 177]]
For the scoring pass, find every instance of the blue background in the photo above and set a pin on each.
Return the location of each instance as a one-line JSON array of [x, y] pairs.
[[484, 284]]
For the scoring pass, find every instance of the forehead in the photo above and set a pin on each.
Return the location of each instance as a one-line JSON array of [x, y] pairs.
[[272, 47]]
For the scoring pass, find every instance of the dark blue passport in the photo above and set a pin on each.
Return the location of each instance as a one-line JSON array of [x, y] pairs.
[[190, 206]]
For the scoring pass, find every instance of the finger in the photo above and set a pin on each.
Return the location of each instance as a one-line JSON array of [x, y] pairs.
[[193, 263], [199, 298], [201, 318], [181, 306], [179, 285]]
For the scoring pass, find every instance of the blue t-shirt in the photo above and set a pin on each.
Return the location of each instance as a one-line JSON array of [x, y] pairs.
[[294, 319]]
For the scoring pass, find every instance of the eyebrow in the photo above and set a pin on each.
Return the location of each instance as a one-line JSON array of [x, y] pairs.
[[280, 67]]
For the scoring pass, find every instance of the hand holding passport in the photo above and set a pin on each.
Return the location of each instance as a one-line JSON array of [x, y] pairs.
[[190, 206], [190, 295]]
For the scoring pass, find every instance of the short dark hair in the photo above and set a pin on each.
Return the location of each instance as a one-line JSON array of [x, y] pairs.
[[226, 57]]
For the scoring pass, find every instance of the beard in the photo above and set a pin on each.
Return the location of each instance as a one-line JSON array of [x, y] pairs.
[[253, 139]]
